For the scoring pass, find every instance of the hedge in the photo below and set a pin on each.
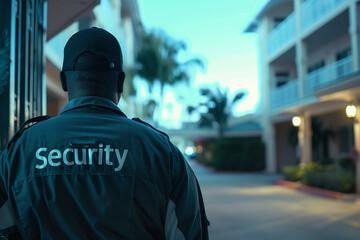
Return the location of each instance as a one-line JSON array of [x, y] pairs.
[[236, 154], [322, 176]]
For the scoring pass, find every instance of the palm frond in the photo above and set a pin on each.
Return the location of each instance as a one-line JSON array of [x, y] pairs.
[[158, 59], [219, 107]]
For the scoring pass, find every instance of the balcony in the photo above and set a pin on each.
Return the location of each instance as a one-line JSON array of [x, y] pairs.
[[332, 73], [285, 94], [282, 34], [329, 74], [312, 11]]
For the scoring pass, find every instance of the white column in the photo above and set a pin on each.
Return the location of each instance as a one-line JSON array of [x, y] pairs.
[[301, 66], [270, 143], [354, 29], [271, 161], [265, 86], [357, 148], [305, 135], [297, 10], [301, 50], [269, 139]]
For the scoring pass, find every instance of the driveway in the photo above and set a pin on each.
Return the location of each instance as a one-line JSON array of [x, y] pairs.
[[251, 206]]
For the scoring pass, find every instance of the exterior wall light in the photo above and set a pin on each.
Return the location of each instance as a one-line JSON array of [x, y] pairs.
[[351, 111], [296, 121]]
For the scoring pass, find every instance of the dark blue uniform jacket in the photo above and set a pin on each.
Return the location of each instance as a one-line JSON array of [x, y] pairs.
[[92, 173]]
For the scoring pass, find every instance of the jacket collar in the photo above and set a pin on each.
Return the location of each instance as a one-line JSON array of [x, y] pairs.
[[81, 102]]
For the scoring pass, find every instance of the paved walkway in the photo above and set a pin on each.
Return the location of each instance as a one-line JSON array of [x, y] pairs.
[[250, 206]]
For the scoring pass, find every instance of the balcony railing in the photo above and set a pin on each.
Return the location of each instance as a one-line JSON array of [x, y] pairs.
[[282, 34], [329, 74], [289, 92], [313, 11], [284, 94]]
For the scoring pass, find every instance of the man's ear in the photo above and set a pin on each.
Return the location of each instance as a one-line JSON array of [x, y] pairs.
[[63, 80], [120, 82]]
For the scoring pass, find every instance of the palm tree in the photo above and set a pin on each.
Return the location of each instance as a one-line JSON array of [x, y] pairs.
[[218, 108], [157, 59]]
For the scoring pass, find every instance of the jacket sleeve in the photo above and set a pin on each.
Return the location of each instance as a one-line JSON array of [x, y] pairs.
[[185, 217], [8, 229]]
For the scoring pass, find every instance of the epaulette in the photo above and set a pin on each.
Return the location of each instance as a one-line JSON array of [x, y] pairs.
[[28, 123], [147, 124]]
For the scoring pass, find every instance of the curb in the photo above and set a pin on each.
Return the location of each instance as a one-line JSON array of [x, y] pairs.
[[312, 190]]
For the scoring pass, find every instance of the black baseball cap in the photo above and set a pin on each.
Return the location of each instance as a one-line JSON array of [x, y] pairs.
[[97, 41]]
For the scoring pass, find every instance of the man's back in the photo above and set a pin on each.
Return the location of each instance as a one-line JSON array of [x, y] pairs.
[[91, 173], [71, 177]]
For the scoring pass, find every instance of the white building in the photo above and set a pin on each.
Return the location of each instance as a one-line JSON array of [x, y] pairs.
[[309, 66]]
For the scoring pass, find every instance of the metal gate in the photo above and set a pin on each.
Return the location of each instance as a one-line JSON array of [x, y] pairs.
[[22, 62]]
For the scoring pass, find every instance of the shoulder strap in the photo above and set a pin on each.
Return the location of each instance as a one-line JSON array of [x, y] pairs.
[[28, 123], [147, 124]]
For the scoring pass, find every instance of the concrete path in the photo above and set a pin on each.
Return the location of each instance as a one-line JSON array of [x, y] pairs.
[[250, 206]]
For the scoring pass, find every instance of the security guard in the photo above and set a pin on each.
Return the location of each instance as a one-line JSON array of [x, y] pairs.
[[92, 173]]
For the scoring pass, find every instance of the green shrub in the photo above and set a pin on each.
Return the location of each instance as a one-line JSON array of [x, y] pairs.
[[317, 175], [326, 161], [292, 173], [239, 154], [347, 164], [336, 180]]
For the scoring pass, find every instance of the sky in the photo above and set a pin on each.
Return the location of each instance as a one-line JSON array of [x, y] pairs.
[[213, 31]]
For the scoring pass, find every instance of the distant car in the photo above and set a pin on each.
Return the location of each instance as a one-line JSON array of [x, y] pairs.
[[190, 152]]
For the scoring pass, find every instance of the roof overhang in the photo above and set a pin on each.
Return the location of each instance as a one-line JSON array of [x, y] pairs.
[[347, 90], [326, 99], [62, 14], [271, 4]]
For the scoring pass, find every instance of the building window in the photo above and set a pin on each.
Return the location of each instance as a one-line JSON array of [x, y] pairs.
[[343, 54], [316, 66], [277, 21], [346, 139], [281, 78], [342, 65]]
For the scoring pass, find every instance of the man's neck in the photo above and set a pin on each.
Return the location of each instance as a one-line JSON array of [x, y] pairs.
[[113, 99]]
